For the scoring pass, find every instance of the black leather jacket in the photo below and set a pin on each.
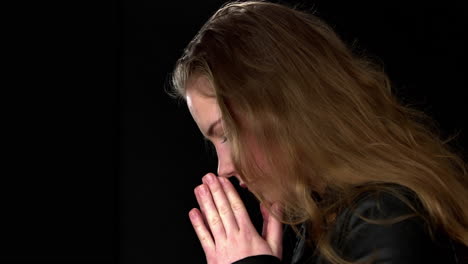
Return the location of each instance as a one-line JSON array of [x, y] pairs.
[[407, 241]]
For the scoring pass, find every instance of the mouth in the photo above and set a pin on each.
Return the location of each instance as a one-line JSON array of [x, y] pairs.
[[243, 185]]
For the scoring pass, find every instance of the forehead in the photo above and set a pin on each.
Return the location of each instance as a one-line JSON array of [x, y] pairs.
[[199, 92], [202, 85], [201, 102]]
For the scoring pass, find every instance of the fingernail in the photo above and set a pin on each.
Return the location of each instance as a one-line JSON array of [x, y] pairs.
[[209, 178], [192, 214], [202, 189], [222, 180]]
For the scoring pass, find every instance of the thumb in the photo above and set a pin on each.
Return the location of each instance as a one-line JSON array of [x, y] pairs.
[[273, 230]]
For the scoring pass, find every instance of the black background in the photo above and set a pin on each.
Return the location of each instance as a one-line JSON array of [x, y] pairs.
[[100, 165]]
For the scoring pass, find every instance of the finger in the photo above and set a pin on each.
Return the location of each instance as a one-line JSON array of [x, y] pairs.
[[222, 203], [238, 208], [202, 232], [265, 220], [274, 232], [208, 208]]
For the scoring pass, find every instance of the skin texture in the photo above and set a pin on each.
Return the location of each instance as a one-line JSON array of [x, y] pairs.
[[222, 223]]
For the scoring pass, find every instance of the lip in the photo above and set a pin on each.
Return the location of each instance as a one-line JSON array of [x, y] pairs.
[[243, 185]]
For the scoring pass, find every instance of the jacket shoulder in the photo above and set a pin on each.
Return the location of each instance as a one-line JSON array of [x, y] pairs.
[[387, 228]]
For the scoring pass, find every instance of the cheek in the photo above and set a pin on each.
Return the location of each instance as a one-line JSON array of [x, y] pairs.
[[266, 186], [259, 156]]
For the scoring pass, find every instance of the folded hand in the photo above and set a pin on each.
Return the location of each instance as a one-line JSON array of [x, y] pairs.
[[227, 234]]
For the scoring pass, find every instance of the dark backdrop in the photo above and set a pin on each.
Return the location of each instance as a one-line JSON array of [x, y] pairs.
[[102, 164]]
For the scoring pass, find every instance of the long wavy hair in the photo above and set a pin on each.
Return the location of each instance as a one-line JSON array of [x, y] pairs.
[[324, 116]]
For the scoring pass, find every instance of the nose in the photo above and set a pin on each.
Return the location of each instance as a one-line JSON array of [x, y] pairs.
[[225, 166], [226, 169]]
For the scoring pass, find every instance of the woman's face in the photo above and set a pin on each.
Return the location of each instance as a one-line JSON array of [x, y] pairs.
[[206, 113]]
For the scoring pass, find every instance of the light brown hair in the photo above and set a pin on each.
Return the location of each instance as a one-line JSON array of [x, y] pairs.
[[323, 116]]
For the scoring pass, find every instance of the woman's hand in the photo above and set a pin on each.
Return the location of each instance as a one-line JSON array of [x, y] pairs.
[[230, 234]]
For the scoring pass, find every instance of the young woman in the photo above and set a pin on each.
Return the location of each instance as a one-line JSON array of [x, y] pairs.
[[316, 135]]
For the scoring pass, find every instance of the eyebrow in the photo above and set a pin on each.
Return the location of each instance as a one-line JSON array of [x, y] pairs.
[[210, 132]]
